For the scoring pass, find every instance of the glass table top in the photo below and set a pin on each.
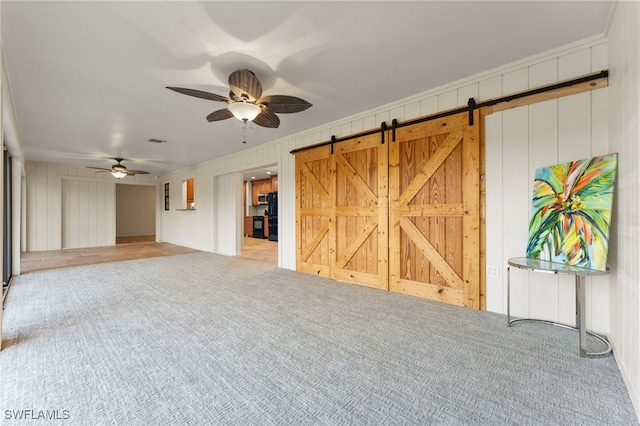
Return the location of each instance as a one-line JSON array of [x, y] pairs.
[[539, 265]]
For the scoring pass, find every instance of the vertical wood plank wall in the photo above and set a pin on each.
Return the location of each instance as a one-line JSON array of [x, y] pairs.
[[88, 213], [518, 141], [624, 86], [91, 206], [228, 210]]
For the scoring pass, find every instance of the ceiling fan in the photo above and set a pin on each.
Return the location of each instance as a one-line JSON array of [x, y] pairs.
[[246, 103], [119, 171]]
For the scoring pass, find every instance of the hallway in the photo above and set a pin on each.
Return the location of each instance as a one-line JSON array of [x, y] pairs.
[[261, 250], [52, 259]]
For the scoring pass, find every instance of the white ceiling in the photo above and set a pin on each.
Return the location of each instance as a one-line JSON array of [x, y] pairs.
[[88, 78]]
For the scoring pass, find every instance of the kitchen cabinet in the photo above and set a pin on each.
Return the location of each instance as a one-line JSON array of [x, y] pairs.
[[190, 192], [248, 226], [261, 186]]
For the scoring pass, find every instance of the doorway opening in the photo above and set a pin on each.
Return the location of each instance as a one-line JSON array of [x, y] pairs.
[[135, 213], [260, 206]]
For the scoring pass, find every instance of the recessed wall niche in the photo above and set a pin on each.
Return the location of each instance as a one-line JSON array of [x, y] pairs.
[[188, 194]]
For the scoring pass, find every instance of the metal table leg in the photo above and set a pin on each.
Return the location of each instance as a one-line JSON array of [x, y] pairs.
[[508, 296], [581, 324], [580, 320]]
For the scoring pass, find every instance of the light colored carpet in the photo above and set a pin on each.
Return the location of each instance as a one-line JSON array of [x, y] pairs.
[[205, 339]]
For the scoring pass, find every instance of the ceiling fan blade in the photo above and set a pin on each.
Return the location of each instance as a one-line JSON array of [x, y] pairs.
[[137, 172], [100, 169], [284, 104], [200, 94], [245, 82], [267, 119], [221, 114]]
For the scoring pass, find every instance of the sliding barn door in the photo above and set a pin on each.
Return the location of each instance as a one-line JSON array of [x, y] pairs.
[[315, 210], [401, 216], [342, 212], [361, 212], [434, 245]]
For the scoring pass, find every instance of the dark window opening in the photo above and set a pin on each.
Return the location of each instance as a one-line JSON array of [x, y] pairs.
[[6, 225]]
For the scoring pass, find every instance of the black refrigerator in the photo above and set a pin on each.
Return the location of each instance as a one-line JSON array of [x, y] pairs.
[[272, 210]]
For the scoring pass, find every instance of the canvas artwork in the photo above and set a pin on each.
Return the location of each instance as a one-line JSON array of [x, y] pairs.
[[572, 212]]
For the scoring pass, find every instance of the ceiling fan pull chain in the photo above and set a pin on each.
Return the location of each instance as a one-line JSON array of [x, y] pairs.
[[244, 132]]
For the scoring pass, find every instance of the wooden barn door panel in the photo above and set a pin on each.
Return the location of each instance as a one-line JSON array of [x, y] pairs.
[[402, 216], [434, 211], [315, 211], [361, 212]]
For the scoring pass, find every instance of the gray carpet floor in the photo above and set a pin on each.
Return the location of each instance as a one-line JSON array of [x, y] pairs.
[[206, 339]]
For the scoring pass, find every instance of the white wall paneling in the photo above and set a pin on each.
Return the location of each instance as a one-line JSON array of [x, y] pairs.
[[542, 150], [624, 296], [516, 80], [490, 88], [494, 222], [449, 100], [88, 213], [526, 139], [43, 205], [23, 216], [515, 203], [229, 217], [543, 73]]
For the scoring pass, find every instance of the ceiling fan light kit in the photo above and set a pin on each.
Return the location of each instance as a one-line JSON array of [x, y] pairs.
[[244, 111], [119, 171], [246, 103], [118, 174]]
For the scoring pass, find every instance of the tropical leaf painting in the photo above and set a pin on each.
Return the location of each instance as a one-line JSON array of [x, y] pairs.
[[572, 212]]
